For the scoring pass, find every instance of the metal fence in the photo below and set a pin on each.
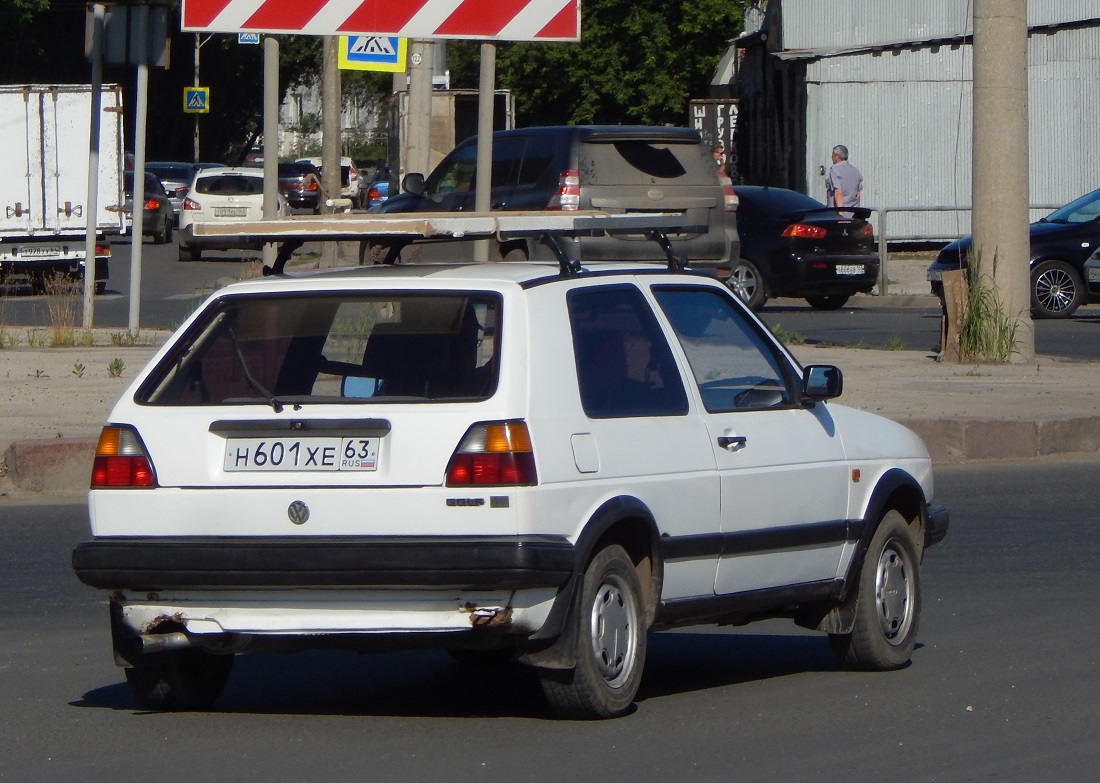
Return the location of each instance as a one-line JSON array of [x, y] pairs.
[[884, 236]]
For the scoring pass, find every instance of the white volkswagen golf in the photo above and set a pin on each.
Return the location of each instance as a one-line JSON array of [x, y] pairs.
[[502, 460]]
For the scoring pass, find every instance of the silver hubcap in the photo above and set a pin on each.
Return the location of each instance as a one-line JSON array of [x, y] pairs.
[[613, 630], [893, 594], [743, 282], [1054, 290]]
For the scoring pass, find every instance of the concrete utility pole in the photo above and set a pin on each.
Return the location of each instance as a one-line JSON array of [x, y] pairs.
[[330, 135], [1000, 160], [419, 134], [483, 193], [271, 138]]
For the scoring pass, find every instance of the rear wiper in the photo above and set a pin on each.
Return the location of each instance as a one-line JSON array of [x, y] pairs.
[[274, 403]]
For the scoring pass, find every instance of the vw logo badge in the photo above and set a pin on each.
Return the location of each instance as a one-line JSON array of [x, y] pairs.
[[298, 512], [655, 193]]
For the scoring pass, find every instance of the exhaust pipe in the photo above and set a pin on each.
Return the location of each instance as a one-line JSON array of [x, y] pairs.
[[163, 642]]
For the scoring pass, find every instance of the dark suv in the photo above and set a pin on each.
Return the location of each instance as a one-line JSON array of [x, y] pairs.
[[617, 169]]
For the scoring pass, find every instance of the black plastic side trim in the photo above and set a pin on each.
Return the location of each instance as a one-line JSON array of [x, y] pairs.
[[715, 608]]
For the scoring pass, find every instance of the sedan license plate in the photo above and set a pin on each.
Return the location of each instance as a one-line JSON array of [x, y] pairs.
[[300, 454], [849, 269], [230, 211]]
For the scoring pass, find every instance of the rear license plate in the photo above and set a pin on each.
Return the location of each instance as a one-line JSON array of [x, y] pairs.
[[40, 251], [230, 211], [301, 454], [849, 269]]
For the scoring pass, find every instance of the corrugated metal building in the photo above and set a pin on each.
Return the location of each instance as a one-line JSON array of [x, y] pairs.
[[892, 81]]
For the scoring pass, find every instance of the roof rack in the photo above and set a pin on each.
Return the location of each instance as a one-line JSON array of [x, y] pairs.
[[400, 230]]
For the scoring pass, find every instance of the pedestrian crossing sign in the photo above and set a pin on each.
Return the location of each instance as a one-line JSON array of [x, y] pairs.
[[196, 100], [372, 53]]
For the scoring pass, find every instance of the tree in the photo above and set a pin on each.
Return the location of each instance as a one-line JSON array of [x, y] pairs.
[[638, 61]]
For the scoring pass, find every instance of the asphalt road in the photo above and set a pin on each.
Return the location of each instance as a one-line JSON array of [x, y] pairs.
[[1001, 687]]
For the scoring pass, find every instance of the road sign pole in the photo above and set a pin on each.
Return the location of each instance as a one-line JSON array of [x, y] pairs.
[[485, 106]]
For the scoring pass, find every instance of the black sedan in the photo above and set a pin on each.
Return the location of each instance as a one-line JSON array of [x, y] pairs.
[[793, 245], [300, 186], [1061, 243], [158, 219]]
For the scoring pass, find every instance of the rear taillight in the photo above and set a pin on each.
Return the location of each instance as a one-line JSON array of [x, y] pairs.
[[494, 454], [189, 204], [103, 250], [152, 204], [568, 196], [866, 231], [311, 185], [803, 230], [120, 460], [729, 196], [373, 194]]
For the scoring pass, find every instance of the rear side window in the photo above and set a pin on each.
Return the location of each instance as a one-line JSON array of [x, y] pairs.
[[230, 185], [333, 349], [624, 365]]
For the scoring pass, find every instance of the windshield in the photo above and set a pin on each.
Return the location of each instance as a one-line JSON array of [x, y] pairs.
[[1083, 210]]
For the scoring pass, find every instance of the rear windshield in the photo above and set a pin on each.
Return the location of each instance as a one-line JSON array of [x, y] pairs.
[[230, 185], [282, 350], [178, 173], [627, 162]]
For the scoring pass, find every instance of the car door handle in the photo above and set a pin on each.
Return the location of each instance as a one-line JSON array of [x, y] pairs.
[[732, 442]]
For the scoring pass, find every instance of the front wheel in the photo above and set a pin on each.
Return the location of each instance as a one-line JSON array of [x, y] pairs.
[[1056, 290], [888, 601], [834, 302], [746, 281], [182, 680], [610, 639]]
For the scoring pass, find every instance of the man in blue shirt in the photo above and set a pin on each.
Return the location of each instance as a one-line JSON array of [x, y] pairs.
[[844, 185]]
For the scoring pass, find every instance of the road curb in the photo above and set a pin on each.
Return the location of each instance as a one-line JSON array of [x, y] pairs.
[[57, 467]]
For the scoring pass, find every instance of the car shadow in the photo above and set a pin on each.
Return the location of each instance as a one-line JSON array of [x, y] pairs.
[[429, 683]]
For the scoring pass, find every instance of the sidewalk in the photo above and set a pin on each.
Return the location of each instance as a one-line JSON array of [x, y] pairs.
[[57, 399]]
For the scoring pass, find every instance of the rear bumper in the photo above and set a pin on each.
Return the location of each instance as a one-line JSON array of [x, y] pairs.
[[212, 563], [187, 238]]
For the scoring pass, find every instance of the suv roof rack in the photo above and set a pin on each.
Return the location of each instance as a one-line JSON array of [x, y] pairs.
[[400, 230]]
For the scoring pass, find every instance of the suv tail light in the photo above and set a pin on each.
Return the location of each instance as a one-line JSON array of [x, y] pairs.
[[568, 196], [120, 460], [494, 454], [729, 196], [804, 230], [190, 204]]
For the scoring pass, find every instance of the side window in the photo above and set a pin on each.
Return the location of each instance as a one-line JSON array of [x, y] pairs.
[[450, 184], [735, 366], [624, 364]]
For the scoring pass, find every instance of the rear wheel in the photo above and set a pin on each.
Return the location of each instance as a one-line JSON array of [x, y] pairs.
[[888, 601], [610, 638], [159, 236], [746, 281], [181, 680], [834, 302], [1056, 290]]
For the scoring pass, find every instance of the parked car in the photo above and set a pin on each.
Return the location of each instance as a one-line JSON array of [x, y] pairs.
[[176, 178], [1060, 244], [375, 190], [793, 245], [300, 186], [219, 195], [494, 459], [349, 178], [157, 219], [618, 169]]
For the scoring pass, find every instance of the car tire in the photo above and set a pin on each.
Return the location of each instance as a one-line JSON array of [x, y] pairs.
[[181, 680], [1056, 290], [746, 281], [189, 253], [159, 236], [834, 302], [169, 228], [610, 642], [887, 601], [100, 287]]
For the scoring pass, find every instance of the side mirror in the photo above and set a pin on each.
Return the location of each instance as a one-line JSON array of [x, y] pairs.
[[821, 382], [413, 184]]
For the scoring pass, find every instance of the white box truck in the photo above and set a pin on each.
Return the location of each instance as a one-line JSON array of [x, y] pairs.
[[44, 135]]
